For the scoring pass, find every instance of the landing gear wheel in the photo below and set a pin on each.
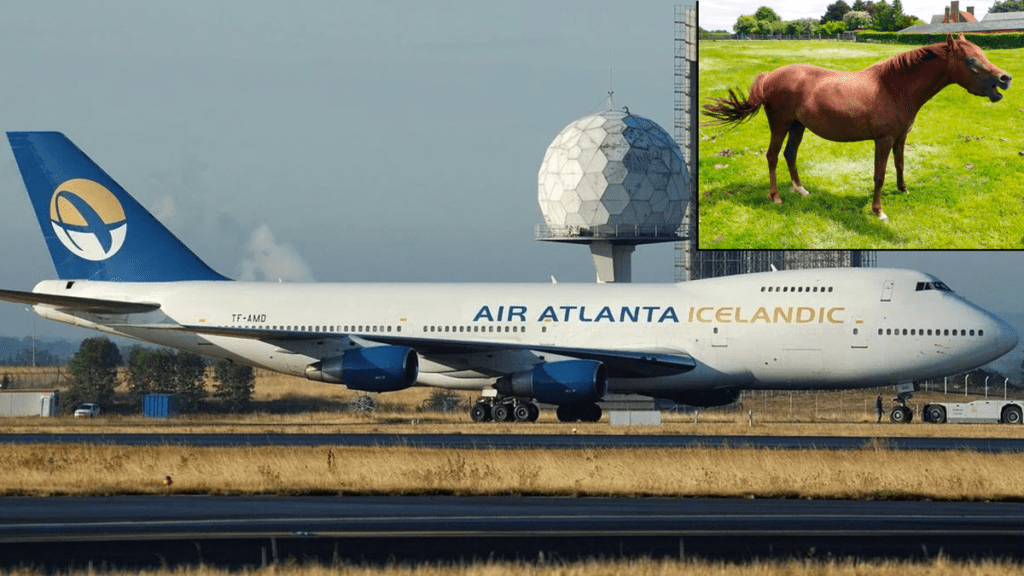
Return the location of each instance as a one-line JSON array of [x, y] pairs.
[[591, 413], [502, 413], [480, 412], [935, 414], [567, 413], [1012, 415], [534, 412], [521, 412], [901, 415]]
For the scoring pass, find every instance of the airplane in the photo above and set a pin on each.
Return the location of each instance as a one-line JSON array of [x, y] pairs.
[[699, 343]]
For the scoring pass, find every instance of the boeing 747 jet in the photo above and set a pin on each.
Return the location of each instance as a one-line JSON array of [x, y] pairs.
[[699, 343]]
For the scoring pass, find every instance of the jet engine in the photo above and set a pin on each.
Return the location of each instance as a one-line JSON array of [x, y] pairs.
[[374, 369], [564, 382]]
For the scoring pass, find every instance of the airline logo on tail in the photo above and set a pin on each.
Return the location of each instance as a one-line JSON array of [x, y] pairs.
[[88, 219]]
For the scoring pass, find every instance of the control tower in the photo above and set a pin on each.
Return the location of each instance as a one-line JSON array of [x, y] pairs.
[[613, 181]]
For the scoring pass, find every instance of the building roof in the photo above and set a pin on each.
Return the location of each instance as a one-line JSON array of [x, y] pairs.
[[1005, 21], [1003, 16]]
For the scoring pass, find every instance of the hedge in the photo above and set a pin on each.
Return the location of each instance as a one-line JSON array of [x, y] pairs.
[[988, 41]]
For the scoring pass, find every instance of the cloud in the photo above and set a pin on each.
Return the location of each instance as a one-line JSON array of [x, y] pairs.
[[166, 209], [266, 259]]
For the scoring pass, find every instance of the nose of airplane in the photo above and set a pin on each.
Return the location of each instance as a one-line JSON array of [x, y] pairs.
[[1006, 338]]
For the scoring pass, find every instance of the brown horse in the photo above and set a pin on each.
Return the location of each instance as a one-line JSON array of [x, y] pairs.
[[878, 103]]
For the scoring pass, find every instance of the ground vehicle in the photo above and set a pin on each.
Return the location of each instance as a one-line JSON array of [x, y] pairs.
[[1004, 411], [87, 411]]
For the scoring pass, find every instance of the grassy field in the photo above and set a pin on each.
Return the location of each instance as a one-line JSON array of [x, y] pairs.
[[870, 472], [964, 165], [638, 567]]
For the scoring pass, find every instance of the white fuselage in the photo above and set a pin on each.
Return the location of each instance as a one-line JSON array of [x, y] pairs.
[[822, 328]]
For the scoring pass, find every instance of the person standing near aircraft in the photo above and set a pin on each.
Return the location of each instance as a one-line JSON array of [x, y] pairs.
[[878, 409]]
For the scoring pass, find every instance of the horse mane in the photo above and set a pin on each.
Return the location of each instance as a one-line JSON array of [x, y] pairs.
[[908, 62]]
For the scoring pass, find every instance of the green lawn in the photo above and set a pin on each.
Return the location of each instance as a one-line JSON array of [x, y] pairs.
[[964, 165]]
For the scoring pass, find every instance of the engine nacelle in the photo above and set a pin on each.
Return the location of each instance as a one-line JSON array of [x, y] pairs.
[[565, 382], [375, 369]]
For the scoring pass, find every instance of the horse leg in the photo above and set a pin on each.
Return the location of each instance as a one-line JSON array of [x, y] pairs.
[[796, 134], [882, 148], [897, 154], [778, 135]]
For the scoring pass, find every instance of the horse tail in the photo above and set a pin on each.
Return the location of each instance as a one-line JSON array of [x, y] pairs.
[[735, 108]]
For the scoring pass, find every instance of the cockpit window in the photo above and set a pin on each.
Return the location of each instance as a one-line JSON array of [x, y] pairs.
[[933, 286]]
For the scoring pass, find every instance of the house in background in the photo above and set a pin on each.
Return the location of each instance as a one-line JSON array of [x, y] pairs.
[[955, 20]]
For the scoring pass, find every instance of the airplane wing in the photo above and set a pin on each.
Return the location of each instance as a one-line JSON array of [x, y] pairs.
[[73, 303], [619, 363]]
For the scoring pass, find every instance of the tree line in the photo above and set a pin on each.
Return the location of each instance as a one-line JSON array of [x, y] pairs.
[[842, 17], [94, 374], [838, 17]]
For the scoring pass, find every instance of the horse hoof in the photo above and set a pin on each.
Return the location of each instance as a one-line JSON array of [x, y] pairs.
[[775, 198], [883, 217], [800, 190]]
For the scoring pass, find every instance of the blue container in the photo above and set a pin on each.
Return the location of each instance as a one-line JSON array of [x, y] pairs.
[[161, 405]]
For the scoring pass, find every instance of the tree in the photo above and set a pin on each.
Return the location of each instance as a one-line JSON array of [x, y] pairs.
[[883, 18], [770, 27], [835, 12], [94, 372], [165, 371], [149, 372], [746, 24], [189, 380], [766, 13], [857, 20], [1007, 6], [801, 27], [899, 19], [234, 385], [832, 28]]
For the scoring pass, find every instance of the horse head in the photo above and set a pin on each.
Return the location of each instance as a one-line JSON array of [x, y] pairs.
[[969, 68]]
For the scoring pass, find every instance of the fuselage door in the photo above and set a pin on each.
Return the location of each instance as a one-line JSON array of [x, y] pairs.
[[718, 337], [887, 291], [858, 333]]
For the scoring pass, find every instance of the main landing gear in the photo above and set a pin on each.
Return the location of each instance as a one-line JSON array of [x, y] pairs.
[[902, 414], [579, 412], [512, 409], [504, 410]]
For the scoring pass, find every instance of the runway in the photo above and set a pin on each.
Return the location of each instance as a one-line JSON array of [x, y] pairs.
[[236, 531], [524, 441]]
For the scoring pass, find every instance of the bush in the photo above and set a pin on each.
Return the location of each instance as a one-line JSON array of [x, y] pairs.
[[234, 385], [165, 371], [985, 41]]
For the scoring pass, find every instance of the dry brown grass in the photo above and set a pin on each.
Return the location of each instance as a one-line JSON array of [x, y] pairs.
[[635, 567], [871, 472], [289, 404]]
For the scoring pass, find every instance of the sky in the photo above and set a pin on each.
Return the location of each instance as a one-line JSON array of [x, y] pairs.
[[353, 141], [725, 12]]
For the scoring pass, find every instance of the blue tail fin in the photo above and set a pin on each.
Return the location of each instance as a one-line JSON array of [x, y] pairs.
[[93, 228]]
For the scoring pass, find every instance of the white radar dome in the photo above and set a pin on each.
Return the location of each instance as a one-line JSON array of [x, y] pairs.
[[613, 169]]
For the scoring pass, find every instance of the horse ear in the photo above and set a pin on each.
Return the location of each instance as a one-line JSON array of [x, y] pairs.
[[949, 40], [961, 38]]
